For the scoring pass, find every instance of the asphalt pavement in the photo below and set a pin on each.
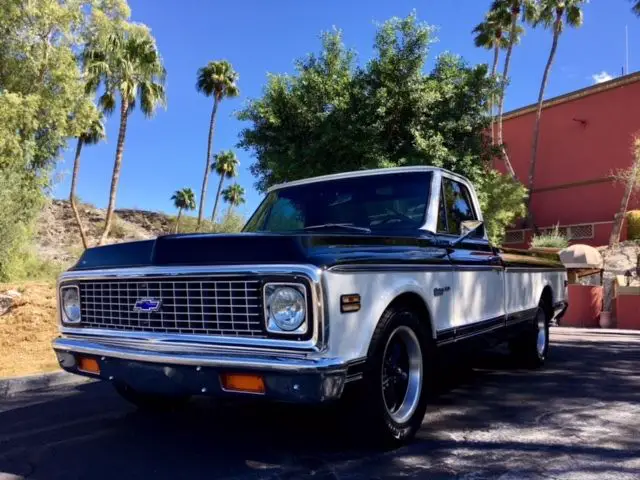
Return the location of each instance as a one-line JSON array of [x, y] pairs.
[[579, 417]]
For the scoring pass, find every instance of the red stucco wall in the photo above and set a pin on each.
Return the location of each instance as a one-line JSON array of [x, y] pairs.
[[582, 140]]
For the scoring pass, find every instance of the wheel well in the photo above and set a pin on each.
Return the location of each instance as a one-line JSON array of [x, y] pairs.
[[547, 301], [416, 303]]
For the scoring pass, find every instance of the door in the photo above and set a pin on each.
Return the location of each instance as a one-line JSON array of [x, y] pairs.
[[478, 275]]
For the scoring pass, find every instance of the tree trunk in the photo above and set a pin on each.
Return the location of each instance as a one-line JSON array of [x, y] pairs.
[[207, 166], [505, 76], [494, 68], [215, 205], [72, 193], [536, 127], [229, 212], [115, 177], [178, 219], [619, 218]]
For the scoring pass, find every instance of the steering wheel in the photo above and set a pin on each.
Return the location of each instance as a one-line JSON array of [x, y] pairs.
[[396, 215]]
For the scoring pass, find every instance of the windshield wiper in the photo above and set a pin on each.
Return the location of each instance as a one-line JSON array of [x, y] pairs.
[[346, 226]]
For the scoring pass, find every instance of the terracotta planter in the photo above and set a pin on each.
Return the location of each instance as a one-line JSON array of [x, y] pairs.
[[606, 320]]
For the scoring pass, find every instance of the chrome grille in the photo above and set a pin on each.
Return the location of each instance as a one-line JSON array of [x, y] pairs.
[[200, 305]]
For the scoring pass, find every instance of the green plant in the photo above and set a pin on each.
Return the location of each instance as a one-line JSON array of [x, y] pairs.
[[553, 239], [226, 166], [183, 199], [234, 196], [127, 62], [217, 79], [118, 230], [232, 223], [633, 225]]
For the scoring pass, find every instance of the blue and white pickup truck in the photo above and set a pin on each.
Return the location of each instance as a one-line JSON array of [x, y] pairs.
[[357, 281]]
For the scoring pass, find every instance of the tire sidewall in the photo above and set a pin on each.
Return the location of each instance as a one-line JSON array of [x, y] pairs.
[[393, 431]]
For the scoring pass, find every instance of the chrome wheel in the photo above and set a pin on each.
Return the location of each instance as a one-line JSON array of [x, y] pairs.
[[402, 374], [541, 344]]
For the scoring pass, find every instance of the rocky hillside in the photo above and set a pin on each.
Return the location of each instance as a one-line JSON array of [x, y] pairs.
[[58, 239]]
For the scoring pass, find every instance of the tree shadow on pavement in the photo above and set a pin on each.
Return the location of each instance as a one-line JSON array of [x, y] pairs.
[[581, 413]]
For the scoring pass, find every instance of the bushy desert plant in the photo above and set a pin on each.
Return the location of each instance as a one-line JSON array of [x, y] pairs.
[[633, 225], [553, 239]]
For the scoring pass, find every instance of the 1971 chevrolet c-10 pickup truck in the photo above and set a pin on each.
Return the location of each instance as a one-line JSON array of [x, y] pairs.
[[357, 281]]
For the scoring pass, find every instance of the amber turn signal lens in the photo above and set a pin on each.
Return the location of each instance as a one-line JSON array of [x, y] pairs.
[[89, 365], [242, 382], [350, 303]]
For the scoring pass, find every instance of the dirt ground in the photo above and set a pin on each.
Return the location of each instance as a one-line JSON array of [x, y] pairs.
[[27, 329]]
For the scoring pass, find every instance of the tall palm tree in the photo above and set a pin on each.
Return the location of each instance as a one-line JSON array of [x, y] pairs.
[[94, 134], [184, 199], [492, 34], [226, 166], [515, 9], [554, 14], [217, 79], [125, 62], [234, 196]]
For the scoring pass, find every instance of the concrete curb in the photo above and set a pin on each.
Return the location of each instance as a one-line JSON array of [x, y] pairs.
[[15, 385], [604, 331]]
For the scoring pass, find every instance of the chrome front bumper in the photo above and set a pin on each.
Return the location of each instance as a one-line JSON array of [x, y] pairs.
[[289, 376]]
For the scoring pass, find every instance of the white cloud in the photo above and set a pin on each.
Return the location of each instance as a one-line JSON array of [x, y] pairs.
[[601, 77]]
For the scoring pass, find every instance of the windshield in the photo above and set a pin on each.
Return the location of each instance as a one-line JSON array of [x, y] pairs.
[[374, 202]]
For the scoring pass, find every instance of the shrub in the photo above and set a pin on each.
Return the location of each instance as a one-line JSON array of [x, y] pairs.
[[554, 239], [633, 225], [230, 224]]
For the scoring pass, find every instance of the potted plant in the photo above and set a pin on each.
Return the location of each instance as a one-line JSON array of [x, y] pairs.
[[550, 242]]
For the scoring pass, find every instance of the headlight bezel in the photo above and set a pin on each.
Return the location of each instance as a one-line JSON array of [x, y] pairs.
[[271, 327], [64, 315]]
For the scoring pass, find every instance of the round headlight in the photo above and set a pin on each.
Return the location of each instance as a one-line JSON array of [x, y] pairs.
[[71, 304], [286, 309]]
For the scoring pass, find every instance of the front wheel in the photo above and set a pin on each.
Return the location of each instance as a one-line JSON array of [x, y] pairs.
[[150, 401], [397, 378]]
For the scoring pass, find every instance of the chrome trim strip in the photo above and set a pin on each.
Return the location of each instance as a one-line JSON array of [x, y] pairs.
[[411, 267], [244, 362], [317, 343], [533, 269]]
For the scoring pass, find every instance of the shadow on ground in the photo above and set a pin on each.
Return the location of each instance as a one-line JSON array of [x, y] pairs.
[[580, 415]]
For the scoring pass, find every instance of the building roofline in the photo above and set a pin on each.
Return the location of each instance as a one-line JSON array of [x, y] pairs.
[[576, 94]]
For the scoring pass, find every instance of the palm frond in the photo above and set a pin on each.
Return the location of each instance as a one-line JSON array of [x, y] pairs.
[[218, 78]]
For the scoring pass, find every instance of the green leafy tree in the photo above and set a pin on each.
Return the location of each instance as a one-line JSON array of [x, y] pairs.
[[527, 9], [218, 80], [636, 7], [234, 196], [552, 14], [493, 34], [225, 165], [184, 199], [126, 62], [94, 134], [333, 116], [42, 106]]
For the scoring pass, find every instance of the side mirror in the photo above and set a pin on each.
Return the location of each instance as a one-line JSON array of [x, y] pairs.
[[467, 228]]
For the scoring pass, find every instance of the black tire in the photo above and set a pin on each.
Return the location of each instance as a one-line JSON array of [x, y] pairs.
[[376, 418], [151, 402], [530, 349]]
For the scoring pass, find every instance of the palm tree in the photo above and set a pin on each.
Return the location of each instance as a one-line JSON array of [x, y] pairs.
[[234, 196], [636, 7], [183, 199], [94, 134], [514, 8], [217, 79], [554, 14], [491, 34], [125, 62], [226, 165]]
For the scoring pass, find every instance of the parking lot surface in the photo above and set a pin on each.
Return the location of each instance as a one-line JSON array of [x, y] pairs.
[[579, 417]]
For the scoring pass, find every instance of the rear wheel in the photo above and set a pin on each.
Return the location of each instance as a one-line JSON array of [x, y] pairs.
[[395, 388], [151, 401], [532, 347]]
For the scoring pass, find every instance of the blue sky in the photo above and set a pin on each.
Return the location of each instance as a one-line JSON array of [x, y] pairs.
[[259, 36]]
